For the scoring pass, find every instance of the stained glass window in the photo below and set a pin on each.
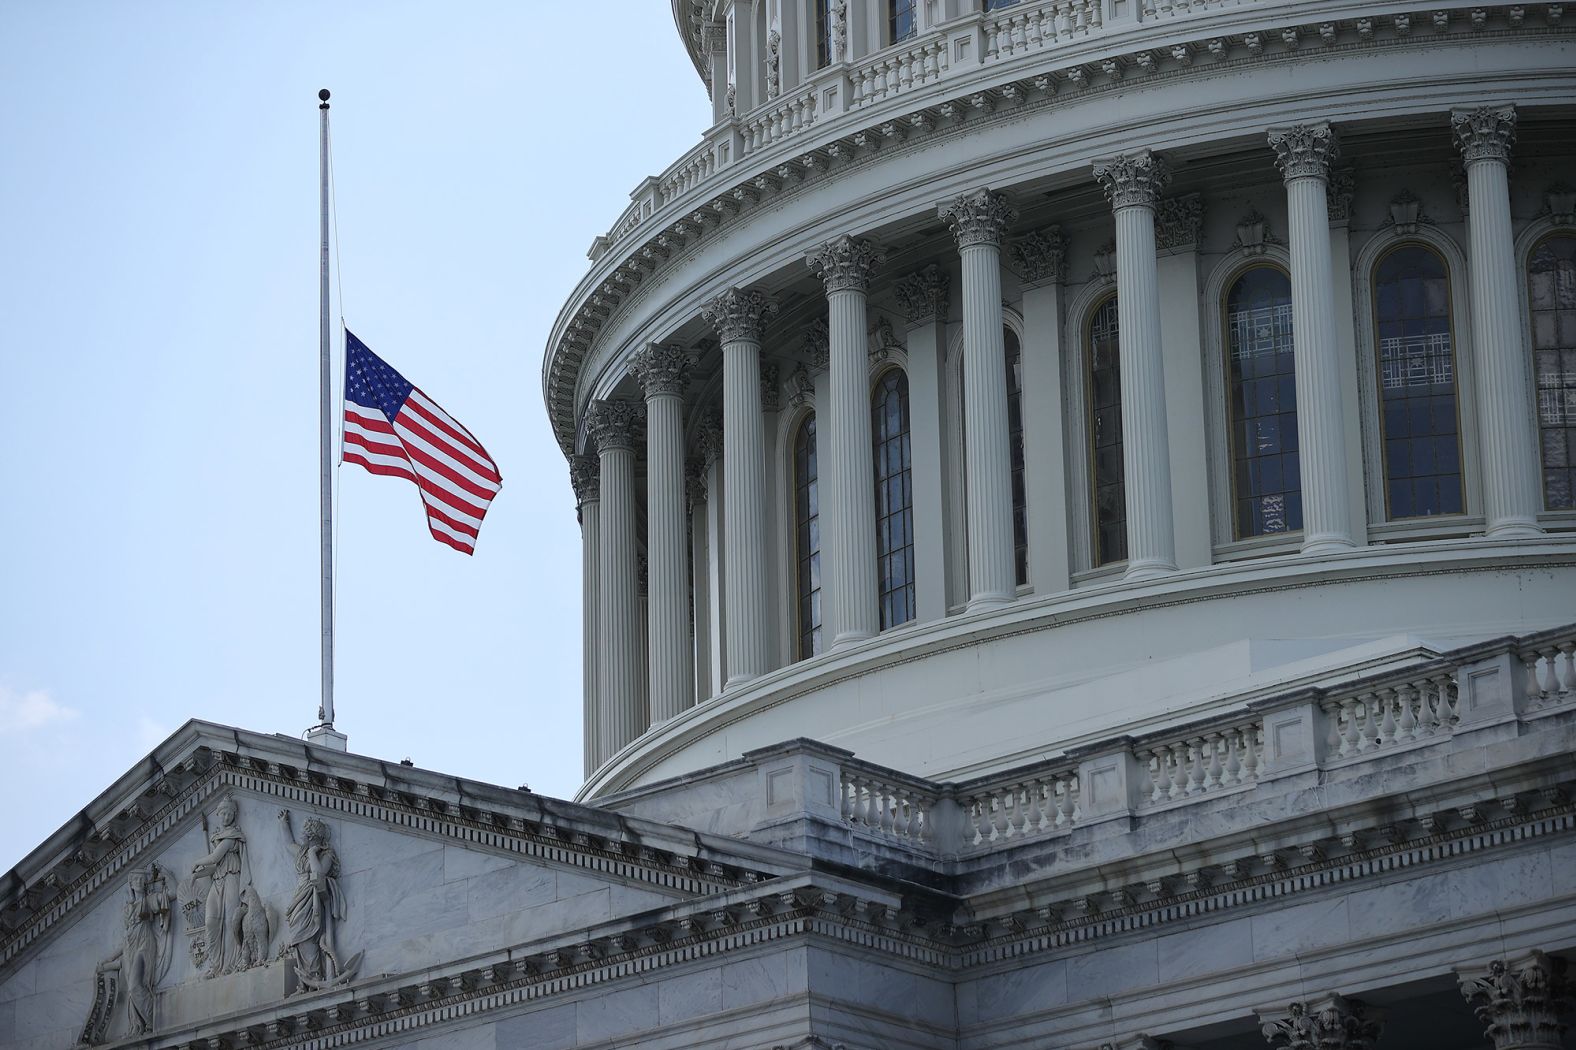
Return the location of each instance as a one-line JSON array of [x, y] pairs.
[[1421, 435], [807, 538], [1262, 402], [889, 428], [1551, 295], [1101, 343]]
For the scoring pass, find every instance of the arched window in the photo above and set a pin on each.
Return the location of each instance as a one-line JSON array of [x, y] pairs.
[[1020, 512], [1419, 428], [1261, 400], [889, 429], [1104, 377], [807, 538], [1551, 295]]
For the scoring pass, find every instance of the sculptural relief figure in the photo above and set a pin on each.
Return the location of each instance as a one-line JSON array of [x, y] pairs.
[[839, 29], [224, 868], [141, 963], [774, 59], [316, 909]]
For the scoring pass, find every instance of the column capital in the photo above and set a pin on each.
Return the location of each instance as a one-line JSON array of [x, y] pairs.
[[1520, 1001], [708, 437], [585, 474], [1133, 180], [981, 217], [739, 313], [846, 263], [1041, 255], [923, 296], [1305, 151], [612, 424], [1484, 133], [661, 369], [1330, 1022]]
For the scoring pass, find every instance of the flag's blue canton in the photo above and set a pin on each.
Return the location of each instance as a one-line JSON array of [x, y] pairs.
[[370, 382]]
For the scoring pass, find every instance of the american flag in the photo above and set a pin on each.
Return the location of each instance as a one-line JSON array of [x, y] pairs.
[[392, 428]]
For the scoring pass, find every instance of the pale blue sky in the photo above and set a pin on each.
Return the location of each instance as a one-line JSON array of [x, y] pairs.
[[158, 355]]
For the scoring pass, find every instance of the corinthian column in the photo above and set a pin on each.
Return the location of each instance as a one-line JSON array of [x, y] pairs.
[[1330, 1022], [663, 372], [847, 479], [1304, 154], [1521, 1001], [1511, 496], [612, 426], [738, 316], [584, 476], [1132, 182], [979, 222]]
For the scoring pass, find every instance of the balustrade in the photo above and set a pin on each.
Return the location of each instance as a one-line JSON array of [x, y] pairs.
[[886, 808], [1029, 28], [897, 70], [1200, 763], [778, 121], [1549, 674], [1019, 809], [1392, 715]]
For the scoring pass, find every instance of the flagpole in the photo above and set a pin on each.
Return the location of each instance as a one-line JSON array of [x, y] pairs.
[[324, 733]]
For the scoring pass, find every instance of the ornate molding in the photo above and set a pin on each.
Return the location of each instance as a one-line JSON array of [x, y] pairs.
[[981, 217], [661, 369], [818, 344], [708, 436], [883, 340], [585, 476], [1342, 189], [1133, 180], [923, 296], [1041, 255], [1305, 151], [1520, 1001], [1559, 204], [774, 58], [1179, 221], [801, 388], [1331, 1022], [613, 423], [1484, 133], [846, 263], [695, 481], [771, 394], [1253, 234], [1407, 214], [740, 314], [1105, 263]]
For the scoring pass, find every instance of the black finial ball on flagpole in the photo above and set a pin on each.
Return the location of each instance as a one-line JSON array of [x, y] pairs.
[[323, 94]]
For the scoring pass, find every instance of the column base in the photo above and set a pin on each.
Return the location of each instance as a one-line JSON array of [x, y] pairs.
[[736, 680], [1329, 544], [981, 602], [1515, 529], [844, 640], [1151, 570]]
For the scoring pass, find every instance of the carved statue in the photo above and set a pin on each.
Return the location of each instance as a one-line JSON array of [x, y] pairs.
[[774, 58], [316, 909], [142, 961], [223, 911], [256, 929], [839, 29]]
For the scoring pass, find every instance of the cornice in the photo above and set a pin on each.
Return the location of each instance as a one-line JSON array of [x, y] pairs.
[[774, 173]]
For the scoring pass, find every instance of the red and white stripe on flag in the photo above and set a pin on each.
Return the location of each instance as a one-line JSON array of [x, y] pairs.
[[424, 444]]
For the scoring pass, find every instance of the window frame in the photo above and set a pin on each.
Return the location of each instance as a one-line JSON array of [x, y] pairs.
[[877, 377], [1092, 515], [801, 418], [1078, 418], [1526, 243]]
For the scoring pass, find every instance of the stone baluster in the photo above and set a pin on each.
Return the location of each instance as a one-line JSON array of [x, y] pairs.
[[1132, 182], [663, 372], [847, 478], [1330, 1022], [585, 477], [738, 316], [979, 222], [1511, 488], [1521, 1001], [1304, 155], [612, 425]]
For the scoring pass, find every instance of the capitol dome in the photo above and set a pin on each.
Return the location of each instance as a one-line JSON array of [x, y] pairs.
[[994, 379]]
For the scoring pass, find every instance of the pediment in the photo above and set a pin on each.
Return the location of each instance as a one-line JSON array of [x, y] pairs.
[[248, 869]]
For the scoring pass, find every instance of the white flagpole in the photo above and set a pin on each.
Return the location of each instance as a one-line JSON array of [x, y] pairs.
[[323, 733]]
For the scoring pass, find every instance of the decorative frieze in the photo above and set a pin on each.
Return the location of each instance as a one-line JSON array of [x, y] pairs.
[[1179, 221], [585, 474], [1305, 151], [846, 263], [1484, 133], [1041, 255], [1521, 1001], [1328, 1023], [923, 296], [1133, 180], [613, 423], [740, 313], [981, 217], [661, 369]]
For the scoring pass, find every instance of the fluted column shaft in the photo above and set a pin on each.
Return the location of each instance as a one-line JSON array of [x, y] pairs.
[[847, 471], [738, 316], [612, 425], [1305, 154], [663, 373], [584, 474], [1133, 183], [979, 222], [1511, 488]]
